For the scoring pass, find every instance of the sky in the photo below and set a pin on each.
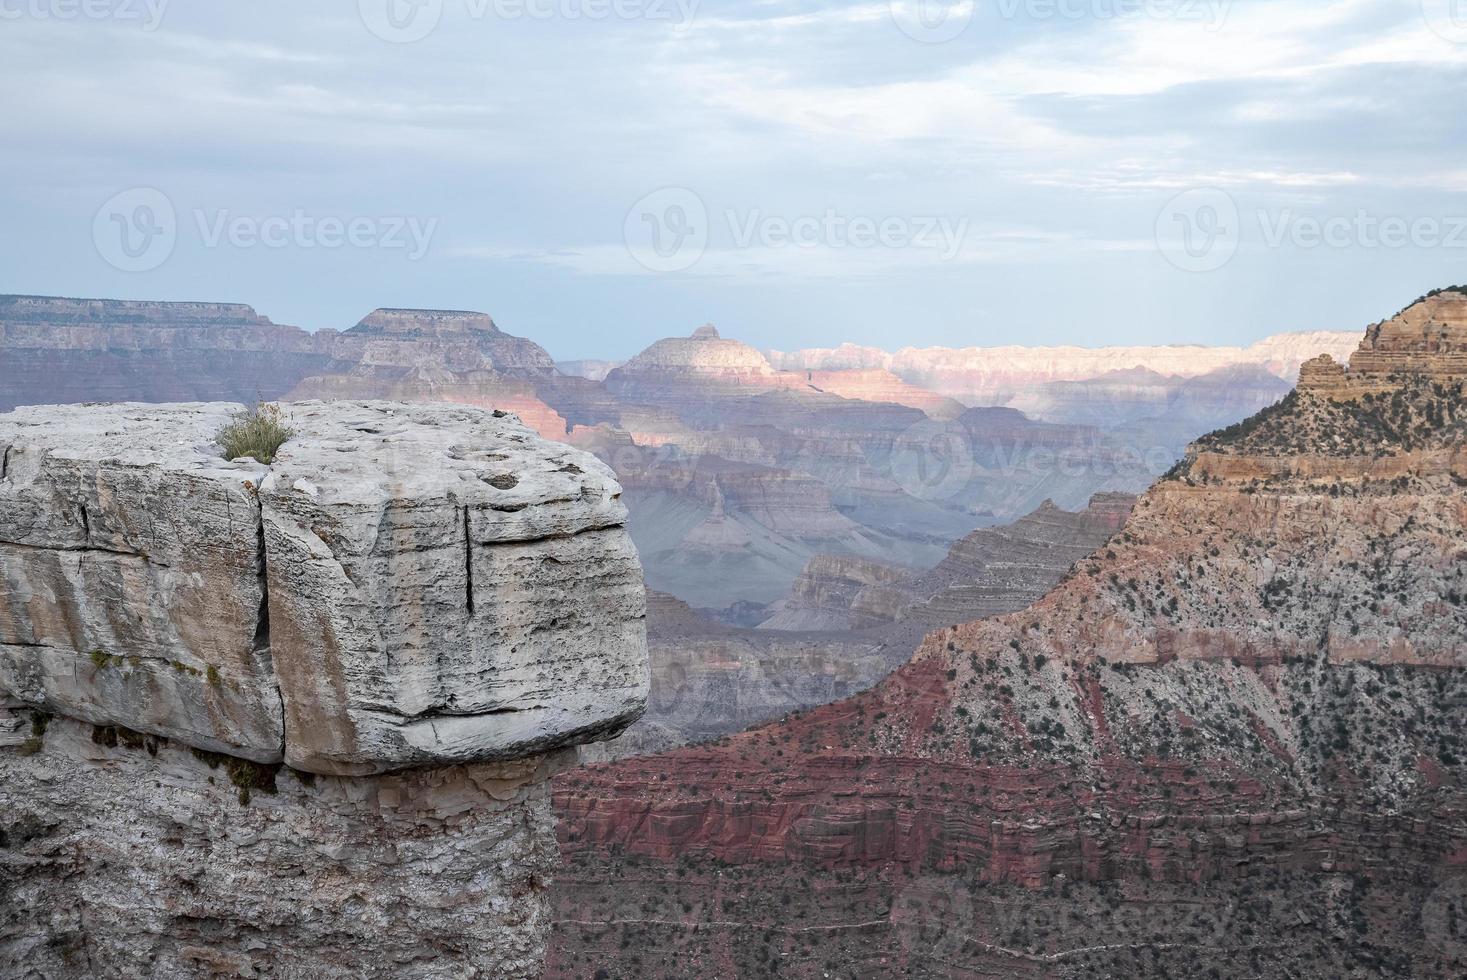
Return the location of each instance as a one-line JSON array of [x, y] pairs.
[[597, 174]]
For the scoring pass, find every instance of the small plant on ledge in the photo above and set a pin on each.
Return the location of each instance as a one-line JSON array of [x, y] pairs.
[[258, 433]]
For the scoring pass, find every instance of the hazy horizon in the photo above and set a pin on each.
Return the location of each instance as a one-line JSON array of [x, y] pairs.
[[572, 357]]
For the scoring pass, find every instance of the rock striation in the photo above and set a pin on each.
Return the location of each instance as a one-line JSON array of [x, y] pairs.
[[882, 387], [705, 351], [1427, 339], [804, 462], [390, 637]]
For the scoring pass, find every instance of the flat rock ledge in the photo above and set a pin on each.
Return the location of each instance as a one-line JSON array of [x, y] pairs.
[[405, 586]]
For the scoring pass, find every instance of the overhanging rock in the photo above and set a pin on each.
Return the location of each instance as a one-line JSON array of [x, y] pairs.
[[407, 585]]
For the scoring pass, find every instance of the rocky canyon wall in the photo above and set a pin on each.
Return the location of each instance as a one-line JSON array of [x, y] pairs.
[[1229, 743]]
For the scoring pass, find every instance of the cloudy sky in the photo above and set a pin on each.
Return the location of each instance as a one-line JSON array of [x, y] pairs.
[[600, 173]]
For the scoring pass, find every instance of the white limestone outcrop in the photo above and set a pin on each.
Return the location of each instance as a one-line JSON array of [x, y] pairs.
[[404, 586]]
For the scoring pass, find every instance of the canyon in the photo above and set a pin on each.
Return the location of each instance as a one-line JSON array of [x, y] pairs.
[[739, 467], [298, 718], [321, 717], [1227, 743]]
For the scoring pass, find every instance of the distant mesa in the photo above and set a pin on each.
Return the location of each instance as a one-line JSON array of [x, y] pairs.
[[453, 356], [424, 323], [458, 340], [698, 358], [61, 350]]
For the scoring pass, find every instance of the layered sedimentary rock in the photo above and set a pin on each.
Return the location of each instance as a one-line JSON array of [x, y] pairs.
[[133, 588], [1428, 339], [1231, 740], [1000, 569], [485, 598], [733, 491], [717, 531], [438, 356], [432, 593], [456, 340], [80, 350], [591, 370], [709, 679], [841, 593], [1156, 410]]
